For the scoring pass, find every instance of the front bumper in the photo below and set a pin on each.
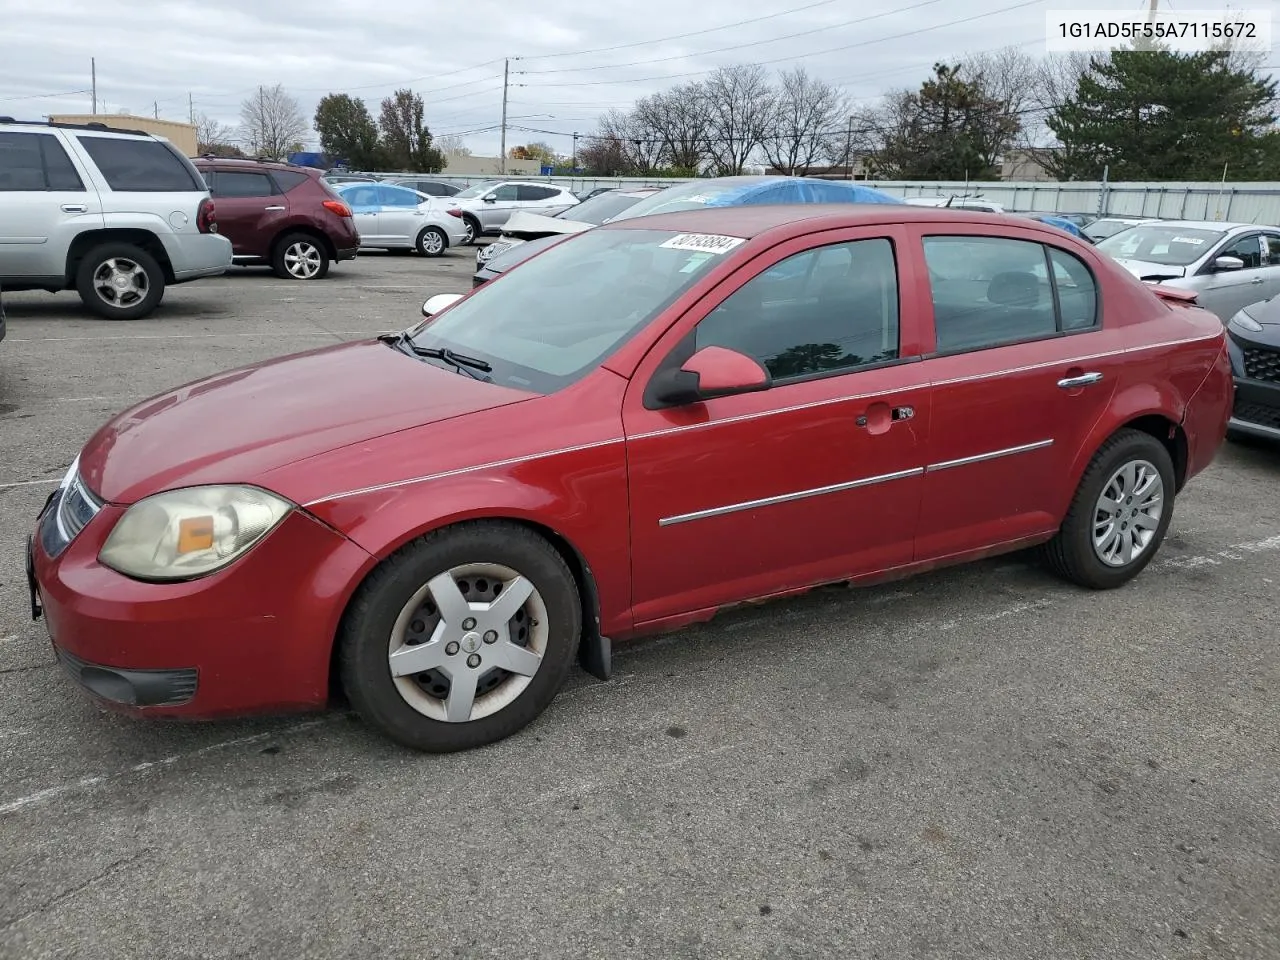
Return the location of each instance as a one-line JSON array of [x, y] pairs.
[[255, 637], [1256, 374]]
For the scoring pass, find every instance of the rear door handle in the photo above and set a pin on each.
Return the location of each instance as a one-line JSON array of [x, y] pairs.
[[75, 208], [273, 208], [1084, 380]]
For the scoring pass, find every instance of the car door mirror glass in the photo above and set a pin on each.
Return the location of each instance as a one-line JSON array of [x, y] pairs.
[[439, 302], [712, 372], [1228, 263], [491, 198]]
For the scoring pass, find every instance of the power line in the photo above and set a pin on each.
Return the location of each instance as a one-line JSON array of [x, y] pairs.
[[814, 53], [44, 96], [682, 36], [740, 46]]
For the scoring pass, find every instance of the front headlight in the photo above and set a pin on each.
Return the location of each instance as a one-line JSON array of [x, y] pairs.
[[1246, 322], [183, 534]]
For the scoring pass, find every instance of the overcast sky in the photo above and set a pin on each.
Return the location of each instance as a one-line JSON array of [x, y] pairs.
[[568, 67]]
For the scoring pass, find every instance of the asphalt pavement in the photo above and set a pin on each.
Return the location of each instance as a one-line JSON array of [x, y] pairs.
[[981, 762]]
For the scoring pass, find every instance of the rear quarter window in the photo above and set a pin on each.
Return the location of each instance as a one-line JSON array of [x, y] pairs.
[[142, 166], [289, 179]]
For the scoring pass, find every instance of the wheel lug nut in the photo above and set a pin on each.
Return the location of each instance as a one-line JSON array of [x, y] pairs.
[[473, 661], [468, 624], [490, 636], [451, 649]]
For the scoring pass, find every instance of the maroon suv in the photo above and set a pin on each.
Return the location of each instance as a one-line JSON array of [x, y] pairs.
[[280, 214]]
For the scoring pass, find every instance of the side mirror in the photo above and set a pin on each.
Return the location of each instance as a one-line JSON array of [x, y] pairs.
[[491, 198], [1228, 263], [711, 372], [440, 302]]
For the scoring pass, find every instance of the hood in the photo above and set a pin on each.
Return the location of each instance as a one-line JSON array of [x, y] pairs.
[[1145, 270], [1266, 312], [530, 226], [235, 427]]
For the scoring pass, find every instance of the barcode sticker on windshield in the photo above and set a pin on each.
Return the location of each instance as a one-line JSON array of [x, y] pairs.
[[703, 242], [1194, 240]]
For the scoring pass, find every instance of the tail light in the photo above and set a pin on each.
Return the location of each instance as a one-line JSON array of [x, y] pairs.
[[337, 207], [454, 212], [206, 217]]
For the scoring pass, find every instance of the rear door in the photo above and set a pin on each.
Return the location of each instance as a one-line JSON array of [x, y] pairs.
[[1022, 367], [251, 210], [399, 218], [46, 199]]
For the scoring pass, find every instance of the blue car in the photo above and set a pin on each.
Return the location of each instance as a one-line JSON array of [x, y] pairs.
[[697, 194], [1062, 224]]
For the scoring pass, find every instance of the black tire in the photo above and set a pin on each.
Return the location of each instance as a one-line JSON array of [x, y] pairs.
[[432, 242], [300, 256], [1070, 554], [474, 235], [136, 303], [367, 627]]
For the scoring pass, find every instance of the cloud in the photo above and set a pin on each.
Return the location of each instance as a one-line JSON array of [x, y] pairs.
[[170, 57]]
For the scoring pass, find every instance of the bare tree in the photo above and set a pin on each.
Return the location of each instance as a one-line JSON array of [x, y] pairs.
[[807, 113], [272, 122], [452, 145], [643, 137], [212, 134], [739, 105], [1010, 78], [1057, 78], [679, 117]]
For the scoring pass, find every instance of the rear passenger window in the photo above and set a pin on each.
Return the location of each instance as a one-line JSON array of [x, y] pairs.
[[989, 291], [21, 167], [830, 309], [529, 192], [288, 179], [141, 166], [243, 184]]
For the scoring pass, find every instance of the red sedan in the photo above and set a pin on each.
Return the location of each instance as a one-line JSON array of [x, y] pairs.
[[642, 425]]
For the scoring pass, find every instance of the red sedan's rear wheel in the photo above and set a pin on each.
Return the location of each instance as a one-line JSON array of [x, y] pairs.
[[1119, 516], [461, 638]]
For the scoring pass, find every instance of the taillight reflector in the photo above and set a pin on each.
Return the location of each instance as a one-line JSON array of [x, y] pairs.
[[454, 212], [206, 217], [338, 207]]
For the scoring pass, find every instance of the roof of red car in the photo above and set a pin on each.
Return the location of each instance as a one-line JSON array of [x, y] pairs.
[[752, 220]]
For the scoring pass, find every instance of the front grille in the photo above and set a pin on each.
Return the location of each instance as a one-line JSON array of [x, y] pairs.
[[1261, 363], [1258, 413]]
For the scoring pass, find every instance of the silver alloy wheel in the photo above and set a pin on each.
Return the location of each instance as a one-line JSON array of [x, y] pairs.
[[432, 242], [468, 643], [302, 259], [1127, 514], [470, 235], [120, 282]]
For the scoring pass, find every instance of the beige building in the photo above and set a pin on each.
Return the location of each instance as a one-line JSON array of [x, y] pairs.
[[466, 165], [182, 135]]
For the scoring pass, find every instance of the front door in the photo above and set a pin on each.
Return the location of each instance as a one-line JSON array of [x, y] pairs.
[[1022, 370], [366, 207], [249, 209], [44, 203], [496, 212], [817, 478], [1224, 292]]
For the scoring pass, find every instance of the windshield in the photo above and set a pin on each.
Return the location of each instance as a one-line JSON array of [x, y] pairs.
[[479, 190], [556, 318], [1101, 229], [1158, 243], [600, 207], [688, 196]]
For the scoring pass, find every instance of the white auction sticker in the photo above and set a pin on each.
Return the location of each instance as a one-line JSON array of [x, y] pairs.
[[1178, 31], [1192, 240], [702, 242]]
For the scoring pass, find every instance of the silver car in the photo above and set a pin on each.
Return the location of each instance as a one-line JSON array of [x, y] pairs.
[[116, 215], [1228, 265], [487, 206]]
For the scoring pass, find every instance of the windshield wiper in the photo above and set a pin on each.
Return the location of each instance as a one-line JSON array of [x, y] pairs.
[[462, 362]]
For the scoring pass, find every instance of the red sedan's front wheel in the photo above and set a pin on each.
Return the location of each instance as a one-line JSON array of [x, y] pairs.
[[462, 637]]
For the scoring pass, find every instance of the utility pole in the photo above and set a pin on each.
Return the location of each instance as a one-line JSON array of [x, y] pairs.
[[155, 109], [506, 67], [191, 107], [1151, 10], [848, 146], [93, 71], [573, 157]]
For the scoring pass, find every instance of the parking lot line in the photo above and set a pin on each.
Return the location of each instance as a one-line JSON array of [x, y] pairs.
[[28, 483]]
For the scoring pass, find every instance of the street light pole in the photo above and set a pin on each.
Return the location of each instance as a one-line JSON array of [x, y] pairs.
[[506, 67]]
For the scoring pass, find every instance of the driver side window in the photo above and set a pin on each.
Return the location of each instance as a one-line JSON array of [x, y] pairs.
[[505, 192], [1248, 249], [829, 309]]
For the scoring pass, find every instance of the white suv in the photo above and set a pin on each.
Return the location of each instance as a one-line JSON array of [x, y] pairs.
[[113, 214], [487, 206]]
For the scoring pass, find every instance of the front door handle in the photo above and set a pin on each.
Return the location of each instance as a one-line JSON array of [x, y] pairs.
[[273, 208], [75, 208], [1084, 380]]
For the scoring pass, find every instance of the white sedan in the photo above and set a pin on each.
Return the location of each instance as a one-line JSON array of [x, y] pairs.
[[397, 218]]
